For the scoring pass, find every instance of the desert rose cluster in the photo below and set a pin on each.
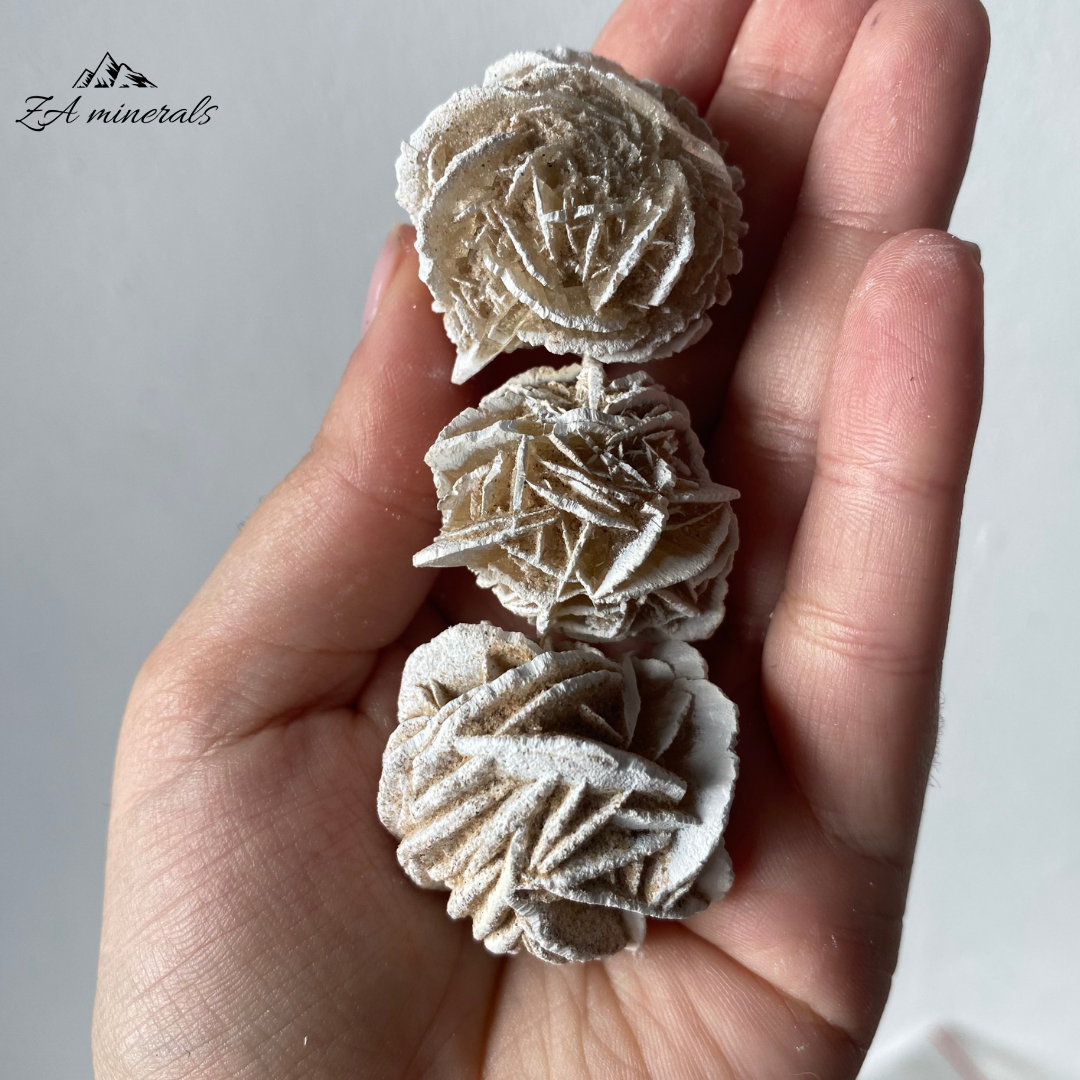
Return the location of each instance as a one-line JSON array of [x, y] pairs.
[[562, 793], [566, 205]]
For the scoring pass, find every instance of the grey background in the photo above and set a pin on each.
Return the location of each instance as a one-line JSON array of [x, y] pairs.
[[176, 306]]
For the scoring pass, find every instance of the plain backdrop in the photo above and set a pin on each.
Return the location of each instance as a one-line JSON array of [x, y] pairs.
[[176, 306]]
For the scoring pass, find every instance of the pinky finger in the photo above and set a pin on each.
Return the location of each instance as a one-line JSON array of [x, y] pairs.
[[851, 668]]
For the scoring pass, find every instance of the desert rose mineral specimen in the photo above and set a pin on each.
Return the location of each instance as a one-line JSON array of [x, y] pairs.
[[565, 204], [586, 507], [560, 796]]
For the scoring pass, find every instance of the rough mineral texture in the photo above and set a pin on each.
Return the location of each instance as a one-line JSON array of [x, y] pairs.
[[560, 796], [586, 507], [566, 204]]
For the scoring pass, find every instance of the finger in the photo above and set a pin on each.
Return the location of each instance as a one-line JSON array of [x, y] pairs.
[[679, 43], [852, 661], [776, 82], [825, 813], [321, 576], [888, 156]]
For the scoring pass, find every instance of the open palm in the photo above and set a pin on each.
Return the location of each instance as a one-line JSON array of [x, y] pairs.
[[256, 921]]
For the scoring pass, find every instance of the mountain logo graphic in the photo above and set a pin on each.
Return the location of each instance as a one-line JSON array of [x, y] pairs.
[[110, 73]]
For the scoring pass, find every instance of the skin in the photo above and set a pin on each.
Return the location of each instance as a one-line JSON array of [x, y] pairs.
[[256, 922]]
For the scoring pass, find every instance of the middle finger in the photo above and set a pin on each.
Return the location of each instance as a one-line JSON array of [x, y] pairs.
[[777, 80], [888, 156]]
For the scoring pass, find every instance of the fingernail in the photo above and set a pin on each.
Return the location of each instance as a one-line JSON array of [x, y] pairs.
[[385, 265], [975, 250]]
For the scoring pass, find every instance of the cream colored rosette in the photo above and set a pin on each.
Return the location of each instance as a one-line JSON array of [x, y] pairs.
[[560, 796], [586, 507], [565, 204]]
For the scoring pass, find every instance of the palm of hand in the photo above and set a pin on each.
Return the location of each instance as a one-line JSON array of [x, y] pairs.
[[256, 921]]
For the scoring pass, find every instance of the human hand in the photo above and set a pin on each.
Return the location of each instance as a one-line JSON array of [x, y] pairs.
[[256, 921]]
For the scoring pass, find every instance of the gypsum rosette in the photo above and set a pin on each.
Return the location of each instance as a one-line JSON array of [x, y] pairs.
[[586, 507], [560, 796], [565, 204]]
